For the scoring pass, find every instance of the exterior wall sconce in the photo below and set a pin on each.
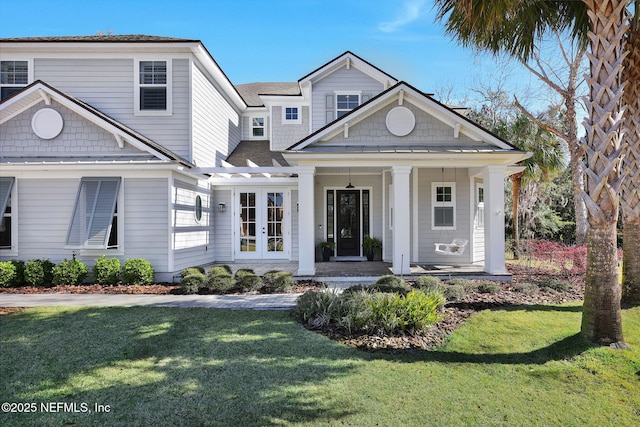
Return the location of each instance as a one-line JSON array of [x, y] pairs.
[[222, 207]]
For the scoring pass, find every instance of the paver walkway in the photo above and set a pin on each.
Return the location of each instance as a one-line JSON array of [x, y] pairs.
[[235, 302]]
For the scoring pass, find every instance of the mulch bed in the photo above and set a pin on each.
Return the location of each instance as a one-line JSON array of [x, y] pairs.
[[456, 312]]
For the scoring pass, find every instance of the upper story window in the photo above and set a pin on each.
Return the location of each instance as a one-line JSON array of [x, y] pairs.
[[346, 102], [257, 127], [443, 202], [153, 94], [14, 75], [291, 115]]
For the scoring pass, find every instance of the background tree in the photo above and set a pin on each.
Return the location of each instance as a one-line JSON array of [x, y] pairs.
[[515, 27]]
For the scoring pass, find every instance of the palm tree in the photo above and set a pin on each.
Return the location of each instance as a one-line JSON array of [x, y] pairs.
[[515, 26], [547, 159], [630, 195]]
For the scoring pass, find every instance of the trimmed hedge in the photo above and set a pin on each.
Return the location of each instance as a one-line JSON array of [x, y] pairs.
[[38, 272], [69, 272], [106, 271], [137, 271]]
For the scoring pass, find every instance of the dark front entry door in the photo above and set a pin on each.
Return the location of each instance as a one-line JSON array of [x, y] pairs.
[[348, 223]]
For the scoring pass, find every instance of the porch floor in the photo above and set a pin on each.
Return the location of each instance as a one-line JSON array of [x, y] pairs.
[[369, 271]]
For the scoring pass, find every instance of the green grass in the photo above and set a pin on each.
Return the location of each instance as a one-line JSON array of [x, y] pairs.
[[165, 367]]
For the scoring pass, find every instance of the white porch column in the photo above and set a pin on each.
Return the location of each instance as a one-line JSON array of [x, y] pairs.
[[401, 220], [494, 262], [306, 221]]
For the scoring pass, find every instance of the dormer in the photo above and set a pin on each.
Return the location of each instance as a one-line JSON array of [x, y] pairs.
[[341, 85]]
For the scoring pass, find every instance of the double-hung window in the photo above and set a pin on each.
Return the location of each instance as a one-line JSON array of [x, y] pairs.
[[6, 185], [346, 103], [153, 94], [257, 127], [94, 220], [14, 75], [443, 202]]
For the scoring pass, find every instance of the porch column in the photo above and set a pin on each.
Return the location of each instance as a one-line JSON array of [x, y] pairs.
[[494, 262], [401, 220], [306, 221]]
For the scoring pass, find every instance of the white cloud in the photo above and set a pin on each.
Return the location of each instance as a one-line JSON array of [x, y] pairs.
[[411, 10]]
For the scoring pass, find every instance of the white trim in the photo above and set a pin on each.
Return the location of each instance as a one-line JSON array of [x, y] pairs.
[[416, 216], [13, 197], [137, 86], [262, 116], [368, 188], [30, 73], [478, 206], [338, 93], [286, 121], [435, 203]]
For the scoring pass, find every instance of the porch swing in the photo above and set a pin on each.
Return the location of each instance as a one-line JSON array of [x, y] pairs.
[[457, 245]]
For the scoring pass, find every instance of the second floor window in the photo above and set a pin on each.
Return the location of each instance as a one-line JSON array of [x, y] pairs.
[[153, 85], [14, 75], [346, 103], [257, 126]]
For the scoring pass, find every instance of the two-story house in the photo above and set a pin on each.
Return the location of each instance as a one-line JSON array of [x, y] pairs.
[[140, 146]]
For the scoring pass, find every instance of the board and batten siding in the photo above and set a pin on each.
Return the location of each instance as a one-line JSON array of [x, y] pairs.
[[426, 235], [216, 126], [192, 239], [109, 84], [341, 80]]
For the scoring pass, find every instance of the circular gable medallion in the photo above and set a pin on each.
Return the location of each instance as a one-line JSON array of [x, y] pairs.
[[47, 123], [400, 121]]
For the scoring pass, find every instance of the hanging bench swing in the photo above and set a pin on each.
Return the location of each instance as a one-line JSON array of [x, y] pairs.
[[457, 245]]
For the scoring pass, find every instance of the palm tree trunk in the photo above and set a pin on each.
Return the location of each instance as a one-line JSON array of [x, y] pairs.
[[631, 263], [630, 195], [516, 182], [601, 315]]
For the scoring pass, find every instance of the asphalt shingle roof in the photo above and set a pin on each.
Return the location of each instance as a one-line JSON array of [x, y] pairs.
[[250, 91], [133, 38]]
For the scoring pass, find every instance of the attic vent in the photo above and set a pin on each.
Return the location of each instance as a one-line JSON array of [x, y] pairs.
[[401, 121], [47, 123]]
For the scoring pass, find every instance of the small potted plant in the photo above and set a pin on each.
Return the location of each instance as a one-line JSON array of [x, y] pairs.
[[326, 249], [371, 246]]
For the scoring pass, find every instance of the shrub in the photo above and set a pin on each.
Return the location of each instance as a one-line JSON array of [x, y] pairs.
[[454, 292], [281, 281], [20, 266], [192, 283], [390, 284], [38, 272], [106, 271], [318, 308], [555, 284], [414, 312], [219, 279], [69, 272], [137, 271], [8, 274], [427, 283], [191, 270], [468, 284], [247, 280], [488, 287], [526, 288]]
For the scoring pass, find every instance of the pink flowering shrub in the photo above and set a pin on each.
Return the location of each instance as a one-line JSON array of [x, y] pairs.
[[570, 260]]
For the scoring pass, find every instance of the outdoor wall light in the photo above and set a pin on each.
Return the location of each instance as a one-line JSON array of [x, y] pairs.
[[222, 207]]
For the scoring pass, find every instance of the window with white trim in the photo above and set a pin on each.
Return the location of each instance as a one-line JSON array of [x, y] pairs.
[[291, 115], [95, 215], [6, 185], [443, 202], [480, 206], [258, 127], [153, 87], [346, 102], [14, 75]]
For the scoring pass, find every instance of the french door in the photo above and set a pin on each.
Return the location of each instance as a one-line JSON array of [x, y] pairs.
[[262, 224]]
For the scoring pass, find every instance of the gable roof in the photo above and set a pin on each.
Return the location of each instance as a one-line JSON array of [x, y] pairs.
[[348, 59], [39, 91], [401, 90]]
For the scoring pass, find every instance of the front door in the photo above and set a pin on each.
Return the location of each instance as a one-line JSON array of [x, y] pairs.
[[262, 226], [348, 223]]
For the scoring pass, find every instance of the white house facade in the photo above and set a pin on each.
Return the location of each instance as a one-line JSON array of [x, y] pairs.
[[140, 146]]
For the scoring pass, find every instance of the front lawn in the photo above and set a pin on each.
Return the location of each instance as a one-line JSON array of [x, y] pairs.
[[163, 366]]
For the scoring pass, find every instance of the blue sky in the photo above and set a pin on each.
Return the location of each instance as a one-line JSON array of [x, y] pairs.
[[274, 40]]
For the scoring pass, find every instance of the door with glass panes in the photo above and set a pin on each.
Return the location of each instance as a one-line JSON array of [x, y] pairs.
[[262, 224]]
